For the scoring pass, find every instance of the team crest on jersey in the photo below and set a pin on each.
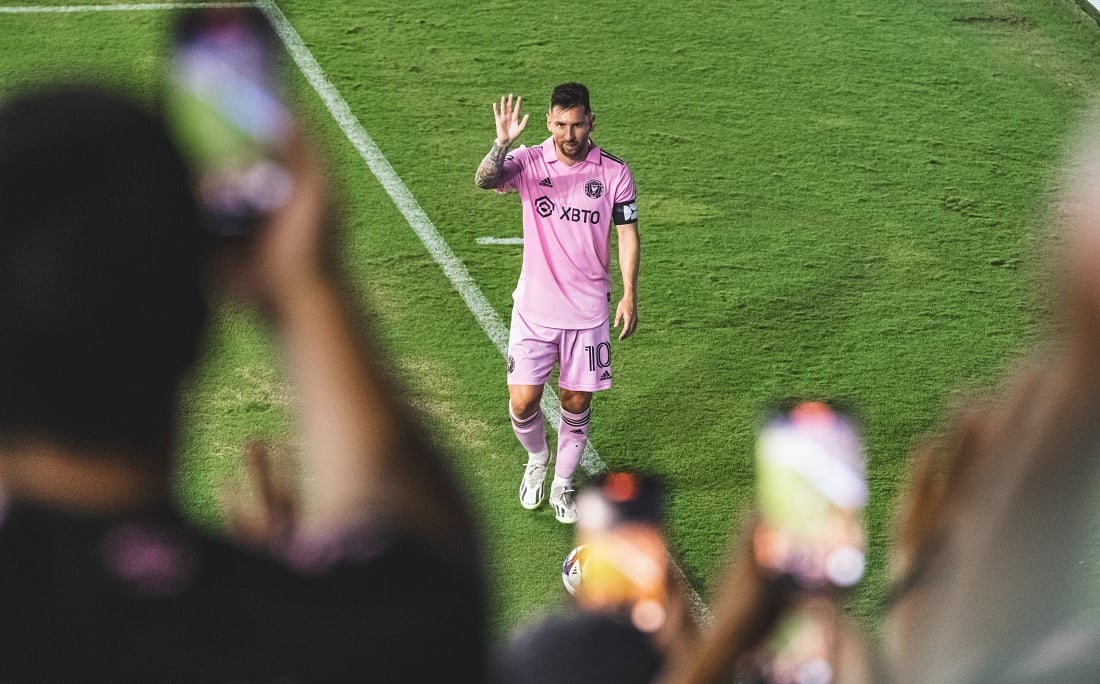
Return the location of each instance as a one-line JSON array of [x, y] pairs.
[[594, 189], [544, 206], [511, 363]]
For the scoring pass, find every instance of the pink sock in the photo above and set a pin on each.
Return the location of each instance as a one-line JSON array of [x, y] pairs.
[[572, 436], [531, 433]]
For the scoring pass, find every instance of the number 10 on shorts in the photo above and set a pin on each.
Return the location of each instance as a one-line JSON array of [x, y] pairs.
[[599, 356]]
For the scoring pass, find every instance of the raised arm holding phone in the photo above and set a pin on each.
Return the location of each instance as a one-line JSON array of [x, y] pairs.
[[103, 277]]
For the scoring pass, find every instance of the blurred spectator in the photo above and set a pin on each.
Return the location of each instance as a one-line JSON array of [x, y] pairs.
[[101, 313], [769, 629], [631, 614], [780, 616], [995, 563], [588, 647]]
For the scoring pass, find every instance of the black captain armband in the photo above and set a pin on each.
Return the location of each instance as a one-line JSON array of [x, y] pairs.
[[624, 212]]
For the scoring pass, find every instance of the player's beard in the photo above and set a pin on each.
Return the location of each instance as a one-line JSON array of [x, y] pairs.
[[575, 151]]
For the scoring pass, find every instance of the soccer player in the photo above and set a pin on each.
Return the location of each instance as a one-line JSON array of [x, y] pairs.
[[572, 192]]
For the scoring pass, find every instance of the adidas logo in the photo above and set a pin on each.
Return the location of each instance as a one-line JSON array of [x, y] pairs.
[[577, 432], [606, 375], [545, 182]]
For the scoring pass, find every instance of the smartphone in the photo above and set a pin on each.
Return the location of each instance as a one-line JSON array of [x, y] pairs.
[[811, 490], [225, 103], [803, 647], [625, 561]]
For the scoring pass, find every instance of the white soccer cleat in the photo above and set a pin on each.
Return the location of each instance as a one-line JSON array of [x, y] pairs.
[[565, 509], [532, 486]]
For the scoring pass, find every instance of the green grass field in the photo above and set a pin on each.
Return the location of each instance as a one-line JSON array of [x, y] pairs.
[[837, 199]]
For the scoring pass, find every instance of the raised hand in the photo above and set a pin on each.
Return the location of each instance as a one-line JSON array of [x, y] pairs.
[[509, 125]]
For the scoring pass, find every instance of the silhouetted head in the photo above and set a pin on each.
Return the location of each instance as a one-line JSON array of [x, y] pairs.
[[101, 264]]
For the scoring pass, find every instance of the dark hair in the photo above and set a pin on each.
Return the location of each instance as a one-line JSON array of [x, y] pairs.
[[633, 496], [101, 259], [580, 647], [570, 95]]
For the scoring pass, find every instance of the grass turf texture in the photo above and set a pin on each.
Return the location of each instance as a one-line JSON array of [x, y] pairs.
[[837, 200]]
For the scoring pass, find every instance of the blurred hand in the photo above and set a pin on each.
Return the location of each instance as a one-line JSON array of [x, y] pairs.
[[269, 523], [288, 250]]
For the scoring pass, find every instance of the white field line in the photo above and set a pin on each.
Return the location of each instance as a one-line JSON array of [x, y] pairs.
[[132, 7], [486, 316], [420, 223], [499, 241]]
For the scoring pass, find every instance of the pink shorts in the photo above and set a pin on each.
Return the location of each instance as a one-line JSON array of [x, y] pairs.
[[584, 356]]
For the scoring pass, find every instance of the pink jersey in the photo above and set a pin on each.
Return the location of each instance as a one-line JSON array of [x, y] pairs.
[[567, 215]]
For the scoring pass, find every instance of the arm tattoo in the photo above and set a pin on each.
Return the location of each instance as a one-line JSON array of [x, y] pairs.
[[488, 172]]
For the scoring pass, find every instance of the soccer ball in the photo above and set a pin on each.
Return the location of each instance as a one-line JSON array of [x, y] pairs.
[[572, 570]]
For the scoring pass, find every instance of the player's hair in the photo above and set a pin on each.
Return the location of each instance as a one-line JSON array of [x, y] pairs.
[[101, 265], [570, 95]]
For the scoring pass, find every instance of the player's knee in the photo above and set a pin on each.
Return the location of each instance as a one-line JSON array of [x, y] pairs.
[[575, 402], [523, 406]]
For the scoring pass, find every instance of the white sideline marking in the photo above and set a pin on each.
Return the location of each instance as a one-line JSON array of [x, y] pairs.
[[486, 316], [499, 241], [133, 7]]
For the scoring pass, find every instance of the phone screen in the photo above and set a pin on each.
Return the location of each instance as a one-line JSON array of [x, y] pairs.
[[626, 560], [803, 647], [225, 103], [812, 489]]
